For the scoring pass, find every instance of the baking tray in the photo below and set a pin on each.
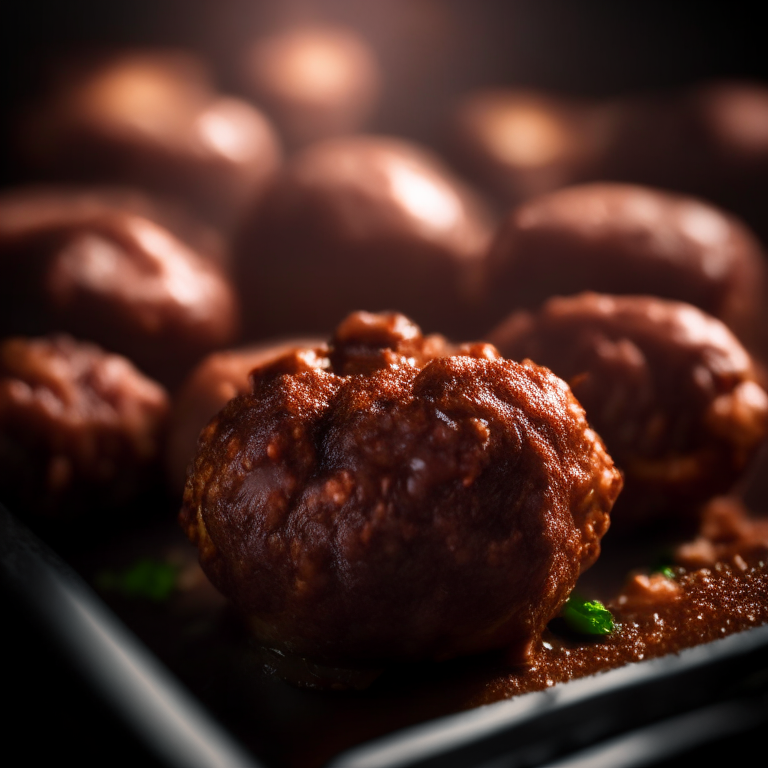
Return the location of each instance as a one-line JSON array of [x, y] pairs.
[[710, 697], [80, 671]]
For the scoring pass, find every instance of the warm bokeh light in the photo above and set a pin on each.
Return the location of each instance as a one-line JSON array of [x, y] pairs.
[[152, 96], [433, 203], [520, 131], [232, 129], [317, 80]]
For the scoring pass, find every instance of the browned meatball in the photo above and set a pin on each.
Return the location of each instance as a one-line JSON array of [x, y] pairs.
[[315, 80], [364, 221], [387, 498], [120, 280], [153, 119], [709, 139], [624, 239], [669, 388], [81, 430], [31, 208], [213, 382], [520, 143]]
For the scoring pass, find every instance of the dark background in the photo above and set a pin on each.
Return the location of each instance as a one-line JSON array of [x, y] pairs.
[[430, 49]]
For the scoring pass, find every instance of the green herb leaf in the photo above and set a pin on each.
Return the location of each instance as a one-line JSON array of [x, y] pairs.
[[587, 617], [150, 579], [662, 563]]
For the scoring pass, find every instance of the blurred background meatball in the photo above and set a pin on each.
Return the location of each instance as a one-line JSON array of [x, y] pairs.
[[403, 500], [314, 80], [30, 208], [709, 139], [669, 388], [118, 279], [627, 239], [152, 119], [518, 143], [365, 222], [81, 430]]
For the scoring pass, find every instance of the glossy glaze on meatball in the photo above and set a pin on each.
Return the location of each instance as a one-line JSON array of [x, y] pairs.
[[365, 221], [81, 430], [120, 280], [624, 239], [387, 497], [669, 388]]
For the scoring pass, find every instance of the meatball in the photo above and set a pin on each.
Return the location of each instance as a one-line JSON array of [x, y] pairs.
[[81, 430], [117, 279], [364, 221], [32, 208], [388, 498], [521, 143], [624, 239], [153, 119], [669, 388], [207, 389], [728, 533], [315, 80]]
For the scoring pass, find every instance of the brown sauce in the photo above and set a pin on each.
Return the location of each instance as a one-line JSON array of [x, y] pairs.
[[711, 603]]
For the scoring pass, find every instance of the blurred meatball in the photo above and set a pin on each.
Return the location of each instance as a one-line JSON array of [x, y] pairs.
[[315, 81], [387, 497], [669, 388], [728, 533], [624, 239], [207, 389], [521, 143], [81, 430], [120, 280], [31, 208], [710, 140], [364, 221], [155, 120]]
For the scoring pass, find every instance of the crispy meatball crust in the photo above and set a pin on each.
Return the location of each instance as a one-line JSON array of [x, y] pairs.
[[218, 378], [387, 497]]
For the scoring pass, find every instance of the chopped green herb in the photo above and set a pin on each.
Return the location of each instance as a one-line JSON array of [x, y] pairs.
[[662, 563], [588, 617], [150, 579]]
